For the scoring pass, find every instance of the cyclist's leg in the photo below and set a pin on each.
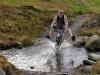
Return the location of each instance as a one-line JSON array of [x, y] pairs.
[[51, 32], [69, 31]]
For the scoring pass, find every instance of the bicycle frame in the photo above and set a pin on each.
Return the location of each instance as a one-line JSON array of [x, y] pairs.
[[59, 39]]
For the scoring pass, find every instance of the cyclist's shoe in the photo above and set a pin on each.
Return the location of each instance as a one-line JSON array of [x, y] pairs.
[[47, 36], [73, 38]]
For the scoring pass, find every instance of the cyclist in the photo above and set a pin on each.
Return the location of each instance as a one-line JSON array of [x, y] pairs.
[[60, 22]]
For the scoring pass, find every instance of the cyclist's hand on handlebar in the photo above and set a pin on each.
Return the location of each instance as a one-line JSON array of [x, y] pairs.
[[73, 38], [53, 28]]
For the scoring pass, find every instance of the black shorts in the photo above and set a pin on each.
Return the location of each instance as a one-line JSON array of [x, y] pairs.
[[56, 26]]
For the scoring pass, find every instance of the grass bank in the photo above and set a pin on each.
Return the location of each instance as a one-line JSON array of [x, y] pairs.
[[95, 69], [24, 20], [91, 26], [24, 23]]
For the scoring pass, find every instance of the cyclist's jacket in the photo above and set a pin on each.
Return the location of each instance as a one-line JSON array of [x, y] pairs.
[[60, 21]]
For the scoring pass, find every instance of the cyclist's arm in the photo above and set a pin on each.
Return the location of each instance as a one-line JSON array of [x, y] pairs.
[[52, 25], [66, 22], [66, 26], [54, 21]]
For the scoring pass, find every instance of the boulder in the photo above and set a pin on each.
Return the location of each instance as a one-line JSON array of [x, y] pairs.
[[80, 41], [2, 72], [18, 45], [88, 62], [93, 56], [93, 44]]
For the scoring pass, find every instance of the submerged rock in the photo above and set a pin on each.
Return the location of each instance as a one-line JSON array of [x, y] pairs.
[[93, 57], [32, 67], [93, 44], [88, 62]]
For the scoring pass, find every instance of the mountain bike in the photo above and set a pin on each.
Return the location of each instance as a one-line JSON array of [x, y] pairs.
[[59, 39]]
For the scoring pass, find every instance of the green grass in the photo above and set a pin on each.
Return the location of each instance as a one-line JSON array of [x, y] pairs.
[[23, 23], [85, 6]]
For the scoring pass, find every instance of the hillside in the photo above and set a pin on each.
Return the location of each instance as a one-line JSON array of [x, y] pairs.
[[24, 20], [84, 6]]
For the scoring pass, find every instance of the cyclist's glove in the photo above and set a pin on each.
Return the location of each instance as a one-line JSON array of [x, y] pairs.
[[47, 36], [73, 38]]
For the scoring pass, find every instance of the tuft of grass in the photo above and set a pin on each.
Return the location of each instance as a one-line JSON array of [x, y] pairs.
[[90, 32], [95, 70], [31, 8]]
